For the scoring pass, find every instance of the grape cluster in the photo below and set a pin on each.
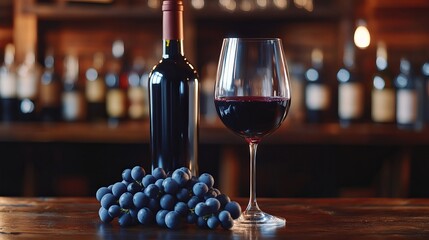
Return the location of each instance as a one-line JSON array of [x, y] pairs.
[[166, 200]]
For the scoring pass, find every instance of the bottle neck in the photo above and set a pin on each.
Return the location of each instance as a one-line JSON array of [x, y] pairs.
[[172, 28], [172, 48]]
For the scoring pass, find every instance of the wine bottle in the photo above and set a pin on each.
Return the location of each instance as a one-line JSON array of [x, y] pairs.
[[317, 92], [407, 97], [350, 90], [425, 74], [50, 91], [208, 110], [8, 99], [137, 92], [173, 98], [73, 99], [117, 82], [383, 91], [27, 82], [95, 90]]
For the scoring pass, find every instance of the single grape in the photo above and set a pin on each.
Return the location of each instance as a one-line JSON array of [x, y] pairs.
[[183, 195], [125, 220], [213, 204], [216, 191], [145, 216], [202, 209], [181, 208], [114, 211], [207, 179], [167, 202], [108, 200], [224, 216], [186, 170], [126, 200], [147, 180], [151, 191], [193, 202], [159, 173], [200, 189], [191, 218], [172, 220], [160, 217], [213, 222], [234, 209], [202, 223], [154, 205], [104, 215], [223, 199], [192, 182], [118, 188], [134, 187], [210, 194], [133, 212], [170, 186], [101, 192], [110, 187], [137, 173], [140, 200], [126, 175], [227, 224], [180, 177], [158, 183]]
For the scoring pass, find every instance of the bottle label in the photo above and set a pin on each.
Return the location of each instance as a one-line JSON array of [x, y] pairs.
[[115, 103], [49, 95], [7, 85], [27, 86], [317, 97], [73, 106], [350, 100], [383, 105], [406, 108], [95, 91]]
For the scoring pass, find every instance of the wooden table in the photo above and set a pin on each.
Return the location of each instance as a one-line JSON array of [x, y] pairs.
[[77, 218]]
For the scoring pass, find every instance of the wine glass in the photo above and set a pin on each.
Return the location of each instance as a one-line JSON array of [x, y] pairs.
[[252, 98]]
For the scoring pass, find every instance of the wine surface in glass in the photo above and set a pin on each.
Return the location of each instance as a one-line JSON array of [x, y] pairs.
[[252, 117]]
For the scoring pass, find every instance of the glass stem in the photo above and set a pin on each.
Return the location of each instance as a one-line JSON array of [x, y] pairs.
[[253, 205]]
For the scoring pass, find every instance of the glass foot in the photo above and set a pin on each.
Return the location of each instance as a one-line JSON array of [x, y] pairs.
[[252, 219]]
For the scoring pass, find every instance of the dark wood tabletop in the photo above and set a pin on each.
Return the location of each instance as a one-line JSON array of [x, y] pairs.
[[77, 218]]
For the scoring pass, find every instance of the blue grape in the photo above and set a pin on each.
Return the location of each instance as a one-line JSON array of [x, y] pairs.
[[133, 212], [216, 191], [183, 195], [151, 191], [114, 211], [125, 220], [126, 175], [167, 202], [223, 199], [110, 187], [192, 182], [202, 209], [180, 177], [228, 224], [140, 200], [101, 192], [118, 188], [234, 209], [158, 183], [202, 223], [200, 189], [154, 205], [224, 216], [126, 200], [108, 200], [147, 180], [160, 217], [145, 216], [137, 173], [187, 171], [210, 194], [104, 215], [213, 222], [191, 218], [193, 202], [172, 220], [170, 186], [213, 204], [159, 173], [181, 208], [207, 179]]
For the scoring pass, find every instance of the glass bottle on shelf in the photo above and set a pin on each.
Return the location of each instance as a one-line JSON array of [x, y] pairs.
[[297, 109], [208, 110], [425, 74], [8, 99], [317, 92], [137, 92], [73, 99], [95, 89], [350, 90], [50, 91], [27, 87], [383, 91]]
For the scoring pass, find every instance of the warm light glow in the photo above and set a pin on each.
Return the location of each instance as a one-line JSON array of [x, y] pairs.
[[246, 5], [262, 3], [362, 37], [154, 4], [281, 4], [198, 4]]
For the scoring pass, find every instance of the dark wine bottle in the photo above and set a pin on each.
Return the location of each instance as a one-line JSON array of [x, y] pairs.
[[27, 82], [174, 98], [50, 89], [317, 92], [425, 74], [8, 99], [73, 99], [350, 90], [95, 90], [383, 90]]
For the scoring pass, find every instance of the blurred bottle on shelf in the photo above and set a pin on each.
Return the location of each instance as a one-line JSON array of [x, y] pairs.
[[208, 110], [425, 74], [383, 89], [138, 108], [50, 91], [95, 89], [8, 99], [28, 74], [317, 92], [350, 90], [297, 109], [73, 99], [408, 99], [117, 83]]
